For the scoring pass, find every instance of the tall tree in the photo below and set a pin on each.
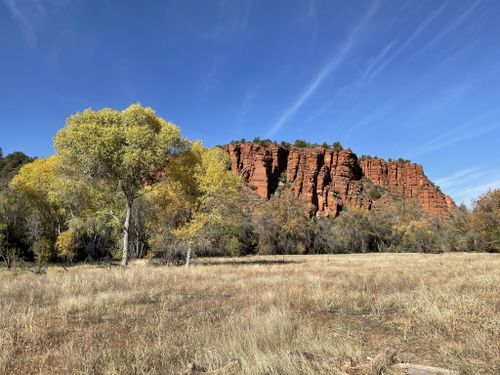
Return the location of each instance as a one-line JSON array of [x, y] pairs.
[[217, 191], [125, 150], [284, 226], [485, 220], [9, 166]]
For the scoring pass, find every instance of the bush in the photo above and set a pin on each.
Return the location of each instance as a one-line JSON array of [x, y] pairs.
[[284, 226], [300, 143], [337, 146], [376, 192], [485, 220], [43, 251]]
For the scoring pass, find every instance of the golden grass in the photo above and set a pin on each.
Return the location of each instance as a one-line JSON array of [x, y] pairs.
[[441, 310]]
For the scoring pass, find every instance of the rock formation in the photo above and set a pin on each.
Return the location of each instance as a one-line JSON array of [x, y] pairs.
[[330, 180]]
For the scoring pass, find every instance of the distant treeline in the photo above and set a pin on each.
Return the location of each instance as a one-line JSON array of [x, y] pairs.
[[300, 143], [125, 184]]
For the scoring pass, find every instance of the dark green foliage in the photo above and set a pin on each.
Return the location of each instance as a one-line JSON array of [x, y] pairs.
[[283, 225], [376, 192], [29, 229], [263, 142], [10, 164], [435, 186], [337, 146], [367, 157], [485, 219], [300, 143], [240, 141], [325, 240]]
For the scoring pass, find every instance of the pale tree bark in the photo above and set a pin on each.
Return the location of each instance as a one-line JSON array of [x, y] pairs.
[[188, 256], [126, 229]]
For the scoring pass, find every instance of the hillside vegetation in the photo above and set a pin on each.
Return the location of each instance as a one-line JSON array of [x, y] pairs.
[[125, 184]]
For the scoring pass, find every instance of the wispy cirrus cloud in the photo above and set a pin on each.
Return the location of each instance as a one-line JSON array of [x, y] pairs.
[[468, 184], [374, 63], [473, 191], [460, 177], [458, 21], [236, 15], [380, 62], [242, 114], [331, 65], [33, 16], [207, 81], [472, 128]]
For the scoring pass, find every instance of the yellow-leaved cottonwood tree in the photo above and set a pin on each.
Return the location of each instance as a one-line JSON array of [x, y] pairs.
[[125, 150], [218, 190], [41, 186]]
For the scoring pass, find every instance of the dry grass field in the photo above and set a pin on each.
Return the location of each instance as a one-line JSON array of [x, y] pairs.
[[272, 317]]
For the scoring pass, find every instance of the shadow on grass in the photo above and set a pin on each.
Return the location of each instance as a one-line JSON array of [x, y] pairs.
[[244, 262]]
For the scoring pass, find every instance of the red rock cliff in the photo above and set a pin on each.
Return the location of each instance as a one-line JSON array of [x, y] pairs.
[[330, 180], [408, 181]]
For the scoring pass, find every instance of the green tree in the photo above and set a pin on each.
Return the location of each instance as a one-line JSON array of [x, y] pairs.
[[485, 219], [414, 230], [125, 150], [10, 165], [352, 231], [14, 211], [300, 143], [40, 185], [459, 230], [7, 253], [216, 208], [284, 226], [337, 146]]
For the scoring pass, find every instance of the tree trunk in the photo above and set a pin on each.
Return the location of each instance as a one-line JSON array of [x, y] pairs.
[[126, 228], [188, 256]]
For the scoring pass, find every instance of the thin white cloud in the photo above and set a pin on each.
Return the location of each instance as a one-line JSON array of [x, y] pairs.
[[325, 71], [468, 184], [384, 61], [377, 64], [312, 19], [461, 133], [471, 193], [32, 16], [374, 62], [242, 116], [450, 27], [459, 178], [207, 81], [236, 17]]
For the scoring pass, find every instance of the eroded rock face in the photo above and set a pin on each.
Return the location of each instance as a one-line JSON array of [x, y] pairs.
[[330, 180], [408, 181]]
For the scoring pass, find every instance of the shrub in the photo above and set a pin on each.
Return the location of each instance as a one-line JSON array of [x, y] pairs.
[[300, 143], [337, 146], [376, 192], [284, 226], [485, 219]]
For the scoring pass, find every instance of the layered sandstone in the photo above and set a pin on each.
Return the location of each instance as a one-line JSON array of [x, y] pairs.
[[330, 180], [408, 181]]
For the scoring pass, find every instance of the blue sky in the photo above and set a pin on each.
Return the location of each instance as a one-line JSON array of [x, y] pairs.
[[415, 79]]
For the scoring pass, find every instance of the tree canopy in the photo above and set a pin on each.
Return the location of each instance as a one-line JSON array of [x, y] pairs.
[[125, 150]]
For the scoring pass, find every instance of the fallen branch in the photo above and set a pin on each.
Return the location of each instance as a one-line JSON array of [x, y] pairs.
[[412, 369], [376, 365]]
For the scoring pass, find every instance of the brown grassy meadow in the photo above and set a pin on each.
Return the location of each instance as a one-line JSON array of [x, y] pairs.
[[441, 310]]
